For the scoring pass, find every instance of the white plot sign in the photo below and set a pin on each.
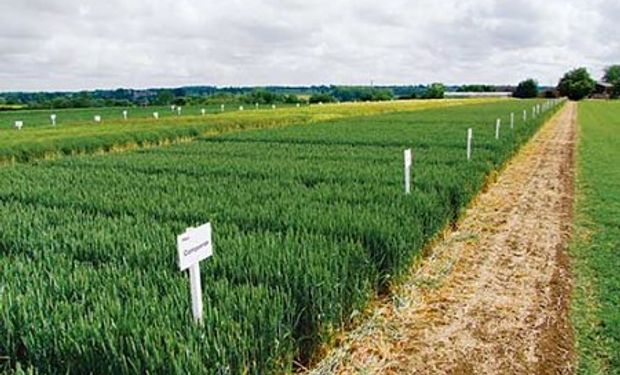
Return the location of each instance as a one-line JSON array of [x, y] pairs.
[[498, 124], [19, 125], [408, 162], [125, 115], [53, 119], [193, 246], [470, 135], [97, 118], [156, 115]]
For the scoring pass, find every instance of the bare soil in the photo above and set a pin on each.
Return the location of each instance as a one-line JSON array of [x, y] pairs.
[[493, 295]]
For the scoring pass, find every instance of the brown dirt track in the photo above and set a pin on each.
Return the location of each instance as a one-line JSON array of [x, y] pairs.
[[493, 296]]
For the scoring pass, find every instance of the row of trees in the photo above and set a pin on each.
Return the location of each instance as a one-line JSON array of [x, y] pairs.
[[575, 84], [212, 95]]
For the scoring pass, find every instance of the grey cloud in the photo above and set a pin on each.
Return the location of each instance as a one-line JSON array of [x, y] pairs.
[[76, 44]]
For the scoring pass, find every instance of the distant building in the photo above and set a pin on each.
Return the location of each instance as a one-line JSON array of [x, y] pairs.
[[456, 94], [603, 90]]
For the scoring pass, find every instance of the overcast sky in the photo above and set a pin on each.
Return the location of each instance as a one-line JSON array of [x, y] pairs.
[[85, 44]]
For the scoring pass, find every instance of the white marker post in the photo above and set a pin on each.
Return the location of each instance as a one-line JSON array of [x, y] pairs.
[[469, 138], [512, 120], [173, 107], [297, 105], [221, 107], [179, 111], [203, 111], [408, 161], [97, 118], [125, 115], [524, 115], [241, 108], [156, 115], [534, 112], [498, 123], [273, 106], [19, 125], [193, 246], [256, 105], [53, 119]]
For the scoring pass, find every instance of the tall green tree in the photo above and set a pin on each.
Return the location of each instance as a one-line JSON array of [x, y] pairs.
[[527, 89], [435, 91], [612, 75], [576, 84], [164, 97]]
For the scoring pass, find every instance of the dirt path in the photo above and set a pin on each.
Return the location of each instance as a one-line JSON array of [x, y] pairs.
[[493, 296]]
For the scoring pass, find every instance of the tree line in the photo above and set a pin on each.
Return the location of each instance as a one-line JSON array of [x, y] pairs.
[[576, 84], [213, 95]]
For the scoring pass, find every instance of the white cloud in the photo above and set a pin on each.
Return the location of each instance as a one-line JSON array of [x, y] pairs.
[[78, 44]]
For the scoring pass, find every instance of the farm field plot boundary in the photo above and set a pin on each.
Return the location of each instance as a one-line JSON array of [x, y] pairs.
[[595, 250], [309, 221], [113, 133]]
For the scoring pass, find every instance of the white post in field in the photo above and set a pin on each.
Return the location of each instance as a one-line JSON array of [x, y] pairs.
[[125, 115], [497, 126], [512, 120], [408, 161], [241, 108], [196, 292], [256, 105], [203, 111], [97, 118], [53, 119], [221, 107], [179, 111], [273, 106], [19, 124], [524, 115], [156, 115], [469, 138], [193, 246]]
